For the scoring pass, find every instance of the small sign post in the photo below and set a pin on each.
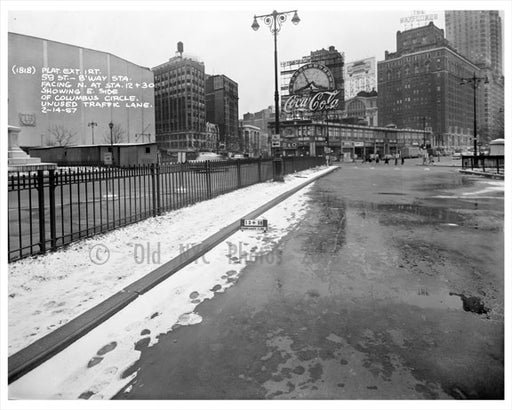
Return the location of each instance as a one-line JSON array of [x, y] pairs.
[[257, 224]]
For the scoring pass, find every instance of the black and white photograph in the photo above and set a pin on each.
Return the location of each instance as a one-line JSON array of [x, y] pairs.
[[283, 204]]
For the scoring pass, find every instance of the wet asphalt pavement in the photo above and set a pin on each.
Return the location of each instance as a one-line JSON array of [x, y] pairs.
[[390, 288]]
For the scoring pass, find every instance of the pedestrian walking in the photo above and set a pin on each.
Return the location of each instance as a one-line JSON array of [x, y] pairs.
[[396, 158], [386, 160], [403, 160], [377, 158]]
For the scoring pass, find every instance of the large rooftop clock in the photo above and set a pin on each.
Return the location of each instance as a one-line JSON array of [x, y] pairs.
[[311, 78]]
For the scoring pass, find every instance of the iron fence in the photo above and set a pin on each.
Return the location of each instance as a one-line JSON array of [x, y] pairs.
[[486, 163], [51, 209]]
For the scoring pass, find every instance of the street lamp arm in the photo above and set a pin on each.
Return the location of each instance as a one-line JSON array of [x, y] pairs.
[[474, 80], [275, 20], [275, 13]]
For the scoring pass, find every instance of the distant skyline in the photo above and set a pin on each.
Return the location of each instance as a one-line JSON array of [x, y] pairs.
[[220, 34]]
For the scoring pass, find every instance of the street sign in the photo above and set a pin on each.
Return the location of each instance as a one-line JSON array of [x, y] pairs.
[[107, 158], [276, 144], [276, 137], [259, 224]]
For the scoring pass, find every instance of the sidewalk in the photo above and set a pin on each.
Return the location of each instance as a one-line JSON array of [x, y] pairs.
[[44, 294], [492, 175]]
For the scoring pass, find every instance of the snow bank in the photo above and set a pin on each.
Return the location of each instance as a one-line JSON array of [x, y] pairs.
[[104, 361], [48, 291]]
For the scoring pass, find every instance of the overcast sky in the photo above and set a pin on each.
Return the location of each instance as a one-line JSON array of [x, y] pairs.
[[220, 34]]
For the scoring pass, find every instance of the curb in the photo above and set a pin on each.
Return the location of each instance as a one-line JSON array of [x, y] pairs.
[[30, 357], [438, 165], [482, 174]]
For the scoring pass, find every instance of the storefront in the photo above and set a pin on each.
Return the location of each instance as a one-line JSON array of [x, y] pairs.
[[311, 137]]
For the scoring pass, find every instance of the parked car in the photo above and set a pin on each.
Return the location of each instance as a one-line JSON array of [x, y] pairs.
[[199, 164], [456, 155], [209, 156]]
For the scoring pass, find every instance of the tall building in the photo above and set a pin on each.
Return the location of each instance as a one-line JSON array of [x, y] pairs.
[[180, 114], [419, 87], [222, 109], [329, 62], [360, 75], [477, 34], [62, 94]]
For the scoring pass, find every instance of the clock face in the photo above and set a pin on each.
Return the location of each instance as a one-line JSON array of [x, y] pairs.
[[311, 78]]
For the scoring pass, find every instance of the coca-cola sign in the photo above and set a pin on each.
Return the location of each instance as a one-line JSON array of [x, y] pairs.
[[320, 101]]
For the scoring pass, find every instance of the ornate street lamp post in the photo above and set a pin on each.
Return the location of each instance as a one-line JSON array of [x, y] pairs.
[[275, 21], [474, 80]]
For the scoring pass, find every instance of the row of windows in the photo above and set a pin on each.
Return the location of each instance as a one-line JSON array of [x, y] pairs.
[[179, 73], [179, 83]]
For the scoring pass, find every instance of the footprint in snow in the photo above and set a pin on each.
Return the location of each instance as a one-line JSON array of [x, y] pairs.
[[107, 348]]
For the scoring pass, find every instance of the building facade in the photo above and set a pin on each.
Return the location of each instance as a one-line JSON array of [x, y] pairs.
[[312, 137], [62, 94], [124, 154], [222, 109], [255, 142], [261, 120], [212, 137], [360, 75], [331, 63], [419, 87], [363, 107], [180, 114], [477, 34]]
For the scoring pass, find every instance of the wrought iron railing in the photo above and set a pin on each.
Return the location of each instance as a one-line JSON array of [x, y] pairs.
[[51, 209]]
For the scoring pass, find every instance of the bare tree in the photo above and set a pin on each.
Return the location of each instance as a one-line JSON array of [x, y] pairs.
[[60, 136], [118, 134]]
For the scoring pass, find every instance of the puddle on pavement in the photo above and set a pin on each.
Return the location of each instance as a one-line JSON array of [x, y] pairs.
[[424, 299], [472, 304], [447, 185], [432, 213]]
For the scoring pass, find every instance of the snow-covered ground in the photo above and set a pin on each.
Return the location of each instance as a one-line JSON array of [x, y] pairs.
[[48, 291], [104, 361]]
